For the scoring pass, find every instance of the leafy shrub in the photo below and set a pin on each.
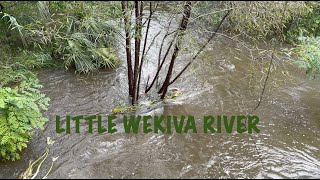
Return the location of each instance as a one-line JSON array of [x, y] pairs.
[[14, 25], [20, 114], [308, 25], [308, 53]]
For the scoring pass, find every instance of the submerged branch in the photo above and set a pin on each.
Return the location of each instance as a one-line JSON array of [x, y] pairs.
[[265, 83]]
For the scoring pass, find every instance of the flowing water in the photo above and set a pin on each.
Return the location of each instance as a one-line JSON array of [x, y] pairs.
[[222, 81]]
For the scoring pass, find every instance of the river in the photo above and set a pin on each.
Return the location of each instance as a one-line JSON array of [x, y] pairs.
[[223, 80]]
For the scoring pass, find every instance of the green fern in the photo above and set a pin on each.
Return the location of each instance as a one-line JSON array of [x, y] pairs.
[[20, 114]]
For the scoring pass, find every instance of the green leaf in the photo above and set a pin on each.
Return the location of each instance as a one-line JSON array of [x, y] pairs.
[[2, 104], [22, 116]]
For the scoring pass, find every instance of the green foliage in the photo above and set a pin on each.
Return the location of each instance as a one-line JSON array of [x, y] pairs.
[[308, 53], [17, 65], [14, 25], [84, 40], [111, 9], [20, 114], [33, 60], [15, 15], [263, 18], [76, 32], [308, 25], [23, 11]]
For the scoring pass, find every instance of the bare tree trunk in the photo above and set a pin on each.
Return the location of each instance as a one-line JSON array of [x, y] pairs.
[[137, 39], [144, 48], [160, 50], [127, 24], [134, 75], [182, 28]]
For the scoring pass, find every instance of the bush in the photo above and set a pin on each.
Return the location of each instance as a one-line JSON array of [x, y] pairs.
[[308, 25], [308, 53], [20, 114], [208, 14], [83, 38], [75, 32]]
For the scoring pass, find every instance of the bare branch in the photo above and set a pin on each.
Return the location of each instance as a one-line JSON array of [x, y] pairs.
[[201, 49], [144, 46], [137, 42], [182, 29], [160, 65]]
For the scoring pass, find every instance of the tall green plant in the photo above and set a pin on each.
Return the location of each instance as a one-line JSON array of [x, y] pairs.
[[85, 44]]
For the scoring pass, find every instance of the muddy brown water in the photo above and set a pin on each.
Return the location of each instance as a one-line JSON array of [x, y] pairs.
[[221, 81]]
